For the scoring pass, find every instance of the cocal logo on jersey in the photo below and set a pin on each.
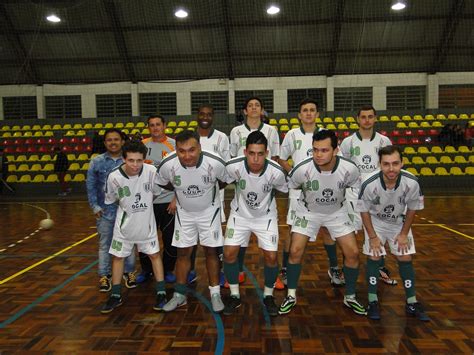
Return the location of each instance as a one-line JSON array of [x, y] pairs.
[[193, 191], [327, 198], [138, 197], [251, 200], [366, 165], [138, 206], [387, 213]]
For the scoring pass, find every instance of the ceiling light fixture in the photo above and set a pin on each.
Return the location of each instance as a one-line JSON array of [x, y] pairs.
[[181, 13], [398, 5], [273, 10], [53, 18]]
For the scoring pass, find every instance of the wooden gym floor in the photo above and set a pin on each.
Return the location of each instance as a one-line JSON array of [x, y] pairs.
[[49, 299]]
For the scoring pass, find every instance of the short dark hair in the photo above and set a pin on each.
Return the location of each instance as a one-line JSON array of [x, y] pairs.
[[186, 135], [115, 130], [256, 137], [308, 100], [253, 98], [134, 146], [208, 105], [155, 116], [366, 108], [322, 134], [389, 150]]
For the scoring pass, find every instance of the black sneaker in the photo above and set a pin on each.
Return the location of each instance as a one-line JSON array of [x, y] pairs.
[[288, 303], [160, 301], [269, 302], [416, 310], [373, 311], [130, 279], [232, 304], [111, 304], [385, 276], [356, 307], [104, 284]]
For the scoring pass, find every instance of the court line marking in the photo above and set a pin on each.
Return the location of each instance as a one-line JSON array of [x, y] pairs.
[[21, 272], [217, 320], [45, 296], [454, 231], [266, 316]]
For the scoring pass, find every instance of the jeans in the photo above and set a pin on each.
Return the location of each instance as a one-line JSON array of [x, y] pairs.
[[105, 229]]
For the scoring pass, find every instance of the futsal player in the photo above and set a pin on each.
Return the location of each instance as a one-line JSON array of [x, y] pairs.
[[323, 178], [384, 196]]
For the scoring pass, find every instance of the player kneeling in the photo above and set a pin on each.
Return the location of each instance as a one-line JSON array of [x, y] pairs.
[[133, 185]]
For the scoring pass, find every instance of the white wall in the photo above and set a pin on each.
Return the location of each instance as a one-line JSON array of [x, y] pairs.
[[279, 85]]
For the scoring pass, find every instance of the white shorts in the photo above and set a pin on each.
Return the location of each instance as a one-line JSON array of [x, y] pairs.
[[307, 223], [203, 226], [239, 229], [123, 248], [352, 195], [387, 233]]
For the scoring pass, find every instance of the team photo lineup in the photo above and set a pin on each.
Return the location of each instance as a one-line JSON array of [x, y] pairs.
[[354, 191]]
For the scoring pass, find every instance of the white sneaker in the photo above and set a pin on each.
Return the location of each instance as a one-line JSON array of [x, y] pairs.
[[217, 304], [176, 301]]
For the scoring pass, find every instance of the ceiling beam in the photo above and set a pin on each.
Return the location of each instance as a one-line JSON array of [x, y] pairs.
[[336, 35], [120, 39], [449, 31], [228, 40], [23, 57]]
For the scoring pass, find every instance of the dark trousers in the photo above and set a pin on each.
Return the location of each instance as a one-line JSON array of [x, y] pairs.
[[165, 222]]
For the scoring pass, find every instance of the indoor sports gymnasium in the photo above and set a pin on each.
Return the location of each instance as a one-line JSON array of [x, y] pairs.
[[85, 82]]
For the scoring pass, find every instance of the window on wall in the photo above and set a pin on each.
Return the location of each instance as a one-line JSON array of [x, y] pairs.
[[163, 103], [114, 106], [265, 95], [456, 96], [19, 107], [351, 99], [295, 96], [406, 97], [218, 99], [63, 106]]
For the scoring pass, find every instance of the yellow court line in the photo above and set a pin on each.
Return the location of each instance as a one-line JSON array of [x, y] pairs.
[[454, 231], [46, 259]]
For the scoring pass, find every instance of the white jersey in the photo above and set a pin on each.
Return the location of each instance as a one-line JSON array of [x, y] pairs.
[[298, 145], [254, 194], [323, 191], [217, 143], [239, 134], [135, 219], [389, 205], [195, 187], [364, 152]]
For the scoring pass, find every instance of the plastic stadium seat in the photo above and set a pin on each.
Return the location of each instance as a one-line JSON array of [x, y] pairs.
[[5, 128], [182, 124], [21, 158], [56, 127], [71, 157], [82, 157], [455, 171], [413, 171], [383, 118], [425, 124], [193, 123], [85, 166], [6, 135], [87, 126], [79, 178], [25, 178], [283, 121], [12, 178], [98, 126], [450, 149], [418, 160], [295, 126], [459, 159], [342, 126], [271, 122], [401, 125], [16, 128], [394, 118], [49, 134], [429, 118], [77, 126], [33, 158], [433, 132], [406, 118], [46, 127], [38, 178], [26, 128], [28, 141], [11, 168], [108, 125], [406, 161], [9, 150], [425, 171], [415, 141], [7, 142], [81, 133], [48, 167], [70, 134], [353, 126], [145, 131], [418, 117], [67, 126], [423, 150], [38, 134], [52, 178], [17, 134], [20, 150], [437, 124], [178, 130], [318, 120], [35, 167], [445, 160], [294, 120], [67, 149], [74, 167], [408, 132], [346, 134], [441, 171], [130, 125], [350, 119], [402, 141], [464, 149], [46, 157], [463, 116], [331, 126], [452, 116], [67, 177], [420, 132], [86, 140], [432, 160], [44, 149], [327, 120], [140, 125], [409, 150], [413, 125], [469, 170], [440, 116], [284, 128], [119, 125], [36, 127], [436, 150], [135, 131], [168, 131]]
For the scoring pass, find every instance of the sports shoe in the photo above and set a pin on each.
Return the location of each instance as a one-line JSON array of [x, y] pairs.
[[353, 304], [160, 301], [272, 308], [104, 284], [143, 277], [288, 303], [217, 304], [336, 276], [130, 279], [192, 277], [373, 311], [112, 303], [232, 304], [222, 279], [170, 278], [283, 277], [385, 276], [278, 285], [176, 301], [416, 310]]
